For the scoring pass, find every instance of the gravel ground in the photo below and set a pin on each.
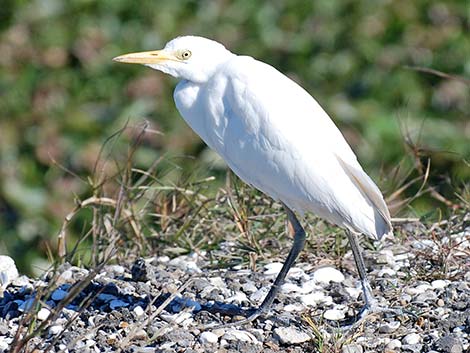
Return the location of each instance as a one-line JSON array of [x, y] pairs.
[[162, 304]]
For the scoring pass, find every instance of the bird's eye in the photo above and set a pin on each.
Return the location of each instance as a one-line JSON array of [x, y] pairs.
[[186, 54]]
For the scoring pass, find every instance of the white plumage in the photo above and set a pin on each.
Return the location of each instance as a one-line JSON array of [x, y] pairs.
[[271, 133]]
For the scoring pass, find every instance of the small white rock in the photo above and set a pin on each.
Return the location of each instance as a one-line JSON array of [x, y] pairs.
[[439, 284], [412, 338], [333, 314], [249, 287], [386, 271], [138, 311], [177, 318], [239, 335], [8, 272], [386, 257], [273, 268], [184, 264], [424, 244], [293, 307], [259, 295], [315, 298], [418, 289], [352, 348], [208, 338], [354, 292], [66, 276], [55, 330], [389, 327], [237, 298], [327, 275], [393, 344], [43, 314], [290, 335], [5, 343], [291, 287], [117, 269]]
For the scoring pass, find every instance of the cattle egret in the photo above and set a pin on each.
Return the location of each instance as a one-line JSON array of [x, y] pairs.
[[275, 137]]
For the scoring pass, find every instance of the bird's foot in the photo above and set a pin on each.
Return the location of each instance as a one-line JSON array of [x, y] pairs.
[[373, 308], [250, 316]]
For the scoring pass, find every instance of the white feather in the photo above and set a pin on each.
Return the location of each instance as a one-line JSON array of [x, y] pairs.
[[277, 138]]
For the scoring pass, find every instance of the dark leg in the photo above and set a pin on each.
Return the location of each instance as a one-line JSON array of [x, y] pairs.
[[369, 299], [371, 304], [297, 246]]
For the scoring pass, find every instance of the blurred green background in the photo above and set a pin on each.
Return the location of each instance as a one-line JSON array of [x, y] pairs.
[[61, 96]]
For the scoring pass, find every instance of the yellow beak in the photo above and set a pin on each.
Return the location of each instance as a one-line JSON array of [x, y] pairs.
[[146, 57]]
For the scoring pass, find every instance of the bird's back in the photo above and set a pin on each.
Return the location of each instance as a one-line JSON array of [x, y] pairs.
[[276, 137]]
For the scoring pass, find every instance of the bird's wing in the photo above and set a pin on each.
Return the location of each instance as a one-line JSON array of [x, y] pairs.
[[370, 191], [276, 137]]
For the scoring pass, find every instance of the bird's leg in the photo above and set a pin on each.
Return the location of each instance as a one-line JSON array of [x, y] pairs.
[[299, 242], [371, 302]]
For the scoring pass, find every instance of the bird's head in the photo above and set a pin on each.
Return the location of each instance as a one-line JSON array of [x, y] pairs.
[[191, 58]]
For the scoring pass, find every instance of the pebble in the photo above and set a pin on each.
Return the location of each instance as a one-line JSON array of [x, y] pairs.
[[55, 329], [389, 327], [352, 348], [184, 264], [5, 343], [327, 275], [138, 311], [439, 284], [237, 298], [22, 281], [333, 314], [412, 338], [418, 289], [293, 308], [43, 314], [117, 303], [249, 287], [8, 272], [393, 344], [426, 297], [424, 244], [291, 288], [25, 305], [239, 335], [259, 295], [208, 338], [178, 318], [106, 297], [273, 268], [116, 269], [354, 292], [140, 335], [450, 344], [387, 272], [386, 257], [58, 294], [66, 276], [313, 299], [291, 335]]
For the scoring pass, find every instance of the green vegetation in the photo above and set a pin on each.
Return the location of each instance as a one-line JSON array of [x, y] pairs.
[[61, 98]]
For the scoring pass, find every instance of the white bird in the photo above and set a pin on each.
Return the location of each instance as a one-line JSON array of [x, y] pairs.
[[276, 137]]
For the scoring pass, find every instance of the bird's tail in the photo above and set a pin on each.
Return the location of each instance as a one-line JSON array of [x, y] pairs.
[[370, 191]]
